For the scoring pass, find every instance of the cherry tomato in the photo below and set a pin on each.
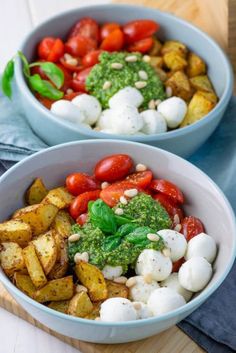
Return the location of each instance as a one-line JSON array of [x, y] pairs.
[[113, 168], [191, 226], [67, 78], [167, 188], [114, 41], [86, 27], [171, 207], [176, 265], [45, 101], [79, 81], [82, 219], [142, 46], [108, 28], [38, 70], [139, 29], [70, 96], [79, 46], [111, 195], [51, 49], [80, 204], [91, 58], [78, 183], [71, 68], [141, 179]]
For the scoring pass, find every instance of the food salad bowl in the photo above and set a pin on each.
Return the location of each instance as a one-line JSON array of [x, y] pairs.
[[202, 199]]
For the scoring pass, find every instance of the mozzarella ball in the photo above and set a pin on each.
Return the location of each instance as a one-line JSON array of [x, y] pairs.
[[154, 122], [172, 282], [90, 106], [141, 290], [201, 245], [117, 309], [175, 241], [68, 111], [163, 300], [195, 273], [107, 131], [174, 110], [154, 263], [126, 96], [111, 272], [126, 120], [143, 312], [105, 119]]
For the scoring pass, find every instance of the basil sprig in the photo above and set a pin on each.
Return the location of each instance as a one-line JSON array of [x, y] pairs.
[[7, 77], [102, 216]]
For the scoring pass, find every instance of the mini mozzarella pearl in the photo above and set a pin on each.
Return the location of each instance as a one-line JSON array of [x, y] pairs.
[[123, 200], [153, 262], [174, 241], [126, 96], [104, 185], [173, 283], [143, 312], [74, 237], [163, 300], [81, 257], [174, 110], [201, 245], [117, 309], [126, 120], [140, 167], [153, 122], [111, 272], [104, 121], [79, 288], [141, 290], [107, 131], [90, 106], [120, 279], [131, 193], [195, 273], [67, 110], [119, 211]]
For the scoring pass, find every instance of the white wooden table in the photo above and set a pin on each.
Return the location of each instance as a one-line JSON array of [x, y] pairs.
[[17, 17]]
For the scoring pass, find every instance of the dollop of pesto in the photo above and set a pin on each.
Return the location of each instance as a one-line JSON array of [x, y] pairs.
[[126, 76]]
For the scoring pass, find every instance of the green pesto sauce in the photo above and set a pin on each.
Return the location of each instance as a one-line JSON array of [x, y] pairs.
[[127, 76]]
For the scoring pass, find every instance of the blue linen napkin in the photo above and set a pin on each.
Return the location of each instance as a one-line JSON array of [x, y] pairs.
[[213, 325]]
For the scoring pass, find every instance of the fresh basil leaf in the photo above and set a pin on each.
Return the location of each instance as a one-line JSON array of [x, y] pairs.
[[7, 76], [44, 87], [126, 229], [139, 235], [26, 68], [111, 242], [102, 216], [52, 71], [120, 220]]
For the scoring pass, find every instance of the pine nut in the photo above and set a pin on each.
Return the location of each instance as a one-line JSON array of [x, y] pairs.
[[119, 211], [166, 252], [178, 227], [69, 91], [121, 279], [80, 288], [74, 75], [131, 192], [148, 278], [168, 91], [130, 282], [140, 167], [137, 305], [131, 58], [104, 185], [123, 200], [143, 75], [176, 219], [81, 257], [106, 85], [151, 104], [153, 237], [116, 66], [74, 237], [146, 58], [72, 61], [140, 84], [157, 102], [67, 56]]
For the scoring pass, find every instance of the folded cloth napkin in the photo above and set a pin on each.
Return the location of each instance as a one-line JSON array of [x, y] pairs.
[[213, 325]]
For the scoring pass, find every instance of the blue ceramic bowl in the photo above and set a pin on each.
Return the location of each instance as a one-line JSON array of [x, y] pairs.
[[181, 141], [204, 200]]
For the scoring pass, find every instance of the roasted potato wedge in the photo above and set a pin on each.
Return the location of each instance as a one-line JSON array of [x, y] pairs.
[[80, 305], [156, 47], [36, 192], [46, 250], [174, 61], [202, 83], [15, 231], [61, 306], [61, 266], [156, 61], [11, 258], [34, 266], [62, 223], [174, 46], [196, 66], [161, 73], [95, 313], [92, 278], [116, 290], [208, 95], [56, 290], [180, 85], [24, 283], [39, 217], [58, 197]]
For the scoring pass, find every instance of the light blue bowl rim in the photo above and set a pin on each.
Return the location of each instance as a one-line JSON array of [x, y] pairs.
[[220, 106], [173, 314]]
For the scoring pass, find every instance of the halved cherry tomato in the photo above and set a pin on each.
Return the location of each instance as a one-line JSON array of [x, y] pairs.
[[113, 168], [51, 49], [111, 195], [91, 58], [82, 219], [141, 179], [167, 188], [79, 81], [108, 28], [139, 29], [45, 101], [191, 226], [86, 27], [71, 68], [142, 46], [176, 265], [171, 207], [80, 46], [80, 204], [70, 96], [113, 42], [67, 78], [78, 183]]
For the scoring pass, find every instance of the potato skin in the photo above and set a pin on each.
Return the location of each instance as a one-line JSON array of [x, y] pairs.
[[15, 231]]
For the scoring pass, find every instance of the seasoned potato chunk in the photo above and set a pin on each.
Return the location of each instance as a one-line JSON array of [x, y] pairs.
[[36, 192], [56, 290], [180, 85], [174, 45], [202, 83], [116, 290], [80, 305], [34, 266], [208, 95], [39, 217], [58, 197], [16, 231], [62, 223], [161, 73], [95, 312], [61, 306], [61, 266], [156, 61], [174, 61], [46, 250], [156, 47], [11, 258], [196, 66], [24, 283]]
